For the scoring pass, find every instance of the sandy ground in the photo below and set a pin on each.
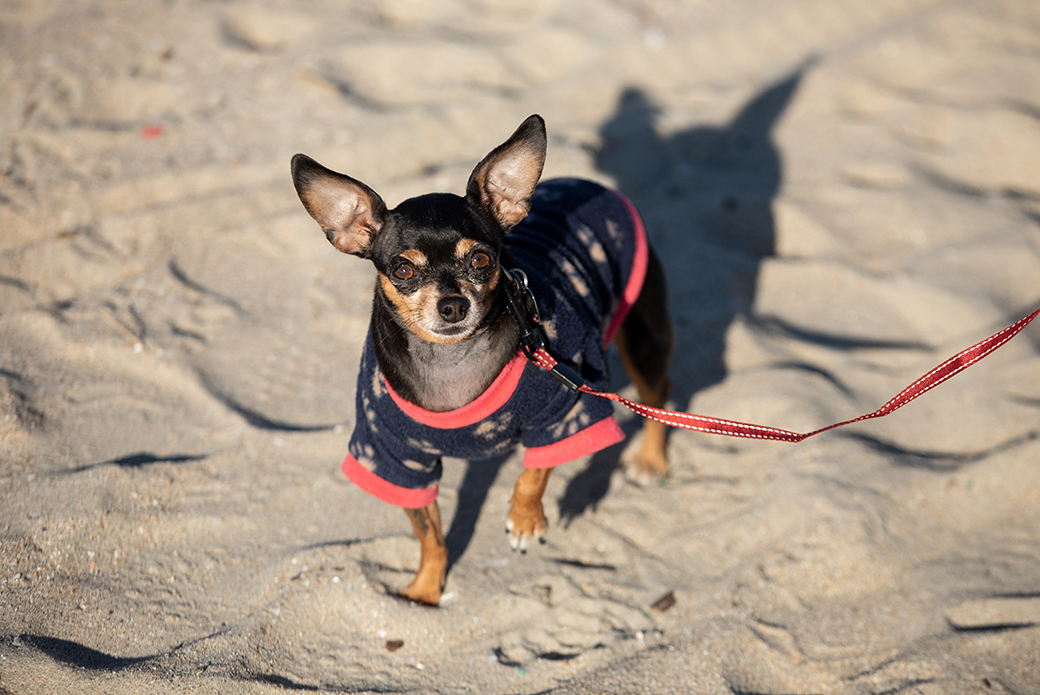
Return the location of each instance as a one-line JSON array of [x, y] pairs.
[[844, 194]]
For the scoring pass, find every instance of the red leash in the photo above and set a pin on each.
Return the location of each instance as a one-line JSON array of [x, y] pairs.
[[944, 371]]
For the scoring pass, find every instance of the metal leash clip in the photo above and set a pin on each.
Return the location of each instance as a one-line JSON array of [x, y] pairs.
[[532, 339], [518, 293]]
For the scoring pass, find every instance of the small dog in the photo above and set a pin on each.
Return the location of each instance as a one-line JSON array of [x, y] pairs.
[[442, 373]]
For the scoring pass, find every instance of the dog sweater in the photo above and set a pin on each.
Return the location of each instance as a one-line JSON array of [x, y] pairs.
[[584, 251]]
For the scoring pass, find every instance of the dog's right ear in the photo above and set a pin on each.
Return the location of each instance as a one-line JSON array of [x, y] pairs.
[[503, 182], [349, 212]]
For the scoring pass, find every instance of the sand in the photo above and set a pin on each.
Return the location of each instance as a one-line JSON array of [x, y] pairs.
[[843, 193]]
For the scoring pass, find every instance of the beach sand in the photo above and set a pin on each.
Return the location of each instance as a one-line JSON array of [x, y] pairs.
[[843, 193]]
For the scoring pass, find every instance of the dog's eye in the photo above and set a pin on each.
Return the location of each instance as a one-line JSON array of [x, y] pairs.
[[404, 272], [479, 260]]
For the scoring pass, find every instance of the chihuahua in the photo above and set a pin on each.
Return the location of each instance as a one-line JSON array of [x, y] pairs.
[[461, 280]]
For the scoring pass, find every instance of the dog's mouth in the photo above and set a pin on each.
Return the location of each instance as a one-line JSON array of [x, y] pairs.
[[445, 336], [450, 334], [449, 323]]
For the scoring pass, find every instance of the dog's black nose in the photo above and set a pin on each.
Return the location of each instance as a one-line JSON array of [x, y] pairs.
[[453, 309]]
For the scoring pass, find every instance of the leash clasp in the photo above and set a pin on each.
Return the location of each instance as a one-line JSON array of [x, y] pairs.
[[518, 293], [532, 339], [567, 376]]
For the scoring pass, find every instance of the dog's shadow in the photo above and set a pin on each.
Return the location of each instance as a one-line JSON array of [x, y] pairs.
[[473, 491], [705, 195]]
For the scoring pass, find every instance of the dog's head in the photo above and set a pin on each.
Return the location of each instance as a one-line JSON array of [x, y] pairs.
[[437, 254]]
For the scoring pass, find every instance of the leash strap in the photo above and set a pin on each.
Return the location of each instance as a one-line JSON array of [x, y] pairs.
[[533, 345]]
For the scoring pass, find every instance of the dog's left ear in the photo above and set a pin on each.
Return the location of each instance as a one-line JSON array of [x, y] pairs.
[[503, 182]]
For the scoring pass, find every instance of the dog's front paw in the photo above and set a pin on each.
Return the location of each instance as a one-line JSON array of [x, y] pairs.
[[524, 524]]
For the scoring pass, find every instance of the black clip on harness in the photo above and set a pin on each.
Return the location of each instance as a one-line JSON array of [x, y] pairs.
[[532, 339]]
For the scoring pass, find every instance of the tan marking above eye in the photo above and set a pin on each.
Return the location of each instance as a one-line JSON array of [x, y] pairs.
[[415, 260], [477, 260], [416, 257], [463, 248]]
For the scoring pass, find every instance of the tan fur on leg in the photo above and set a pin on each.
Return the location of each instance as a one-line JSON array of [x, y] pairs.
[[650, 463], [433, 563]]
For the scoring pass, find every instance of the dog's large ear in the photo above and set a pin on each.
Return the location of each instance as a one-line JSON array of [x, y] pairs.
[[503, 182], [349, 212]]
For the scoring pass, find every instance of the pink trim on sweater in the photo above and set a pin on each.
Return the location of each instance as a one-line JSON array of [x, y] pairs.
[[388, 492], [593, 438], [640, 260], [496, 396]]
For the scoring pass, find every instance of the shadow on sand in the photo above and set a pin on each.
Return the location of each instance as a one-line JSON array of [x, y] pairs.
[[706, 198]]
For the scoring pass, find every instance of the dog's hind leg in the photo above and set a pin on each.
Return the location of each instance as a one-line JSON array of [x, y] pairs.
[[645, 340], [433, 563]]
